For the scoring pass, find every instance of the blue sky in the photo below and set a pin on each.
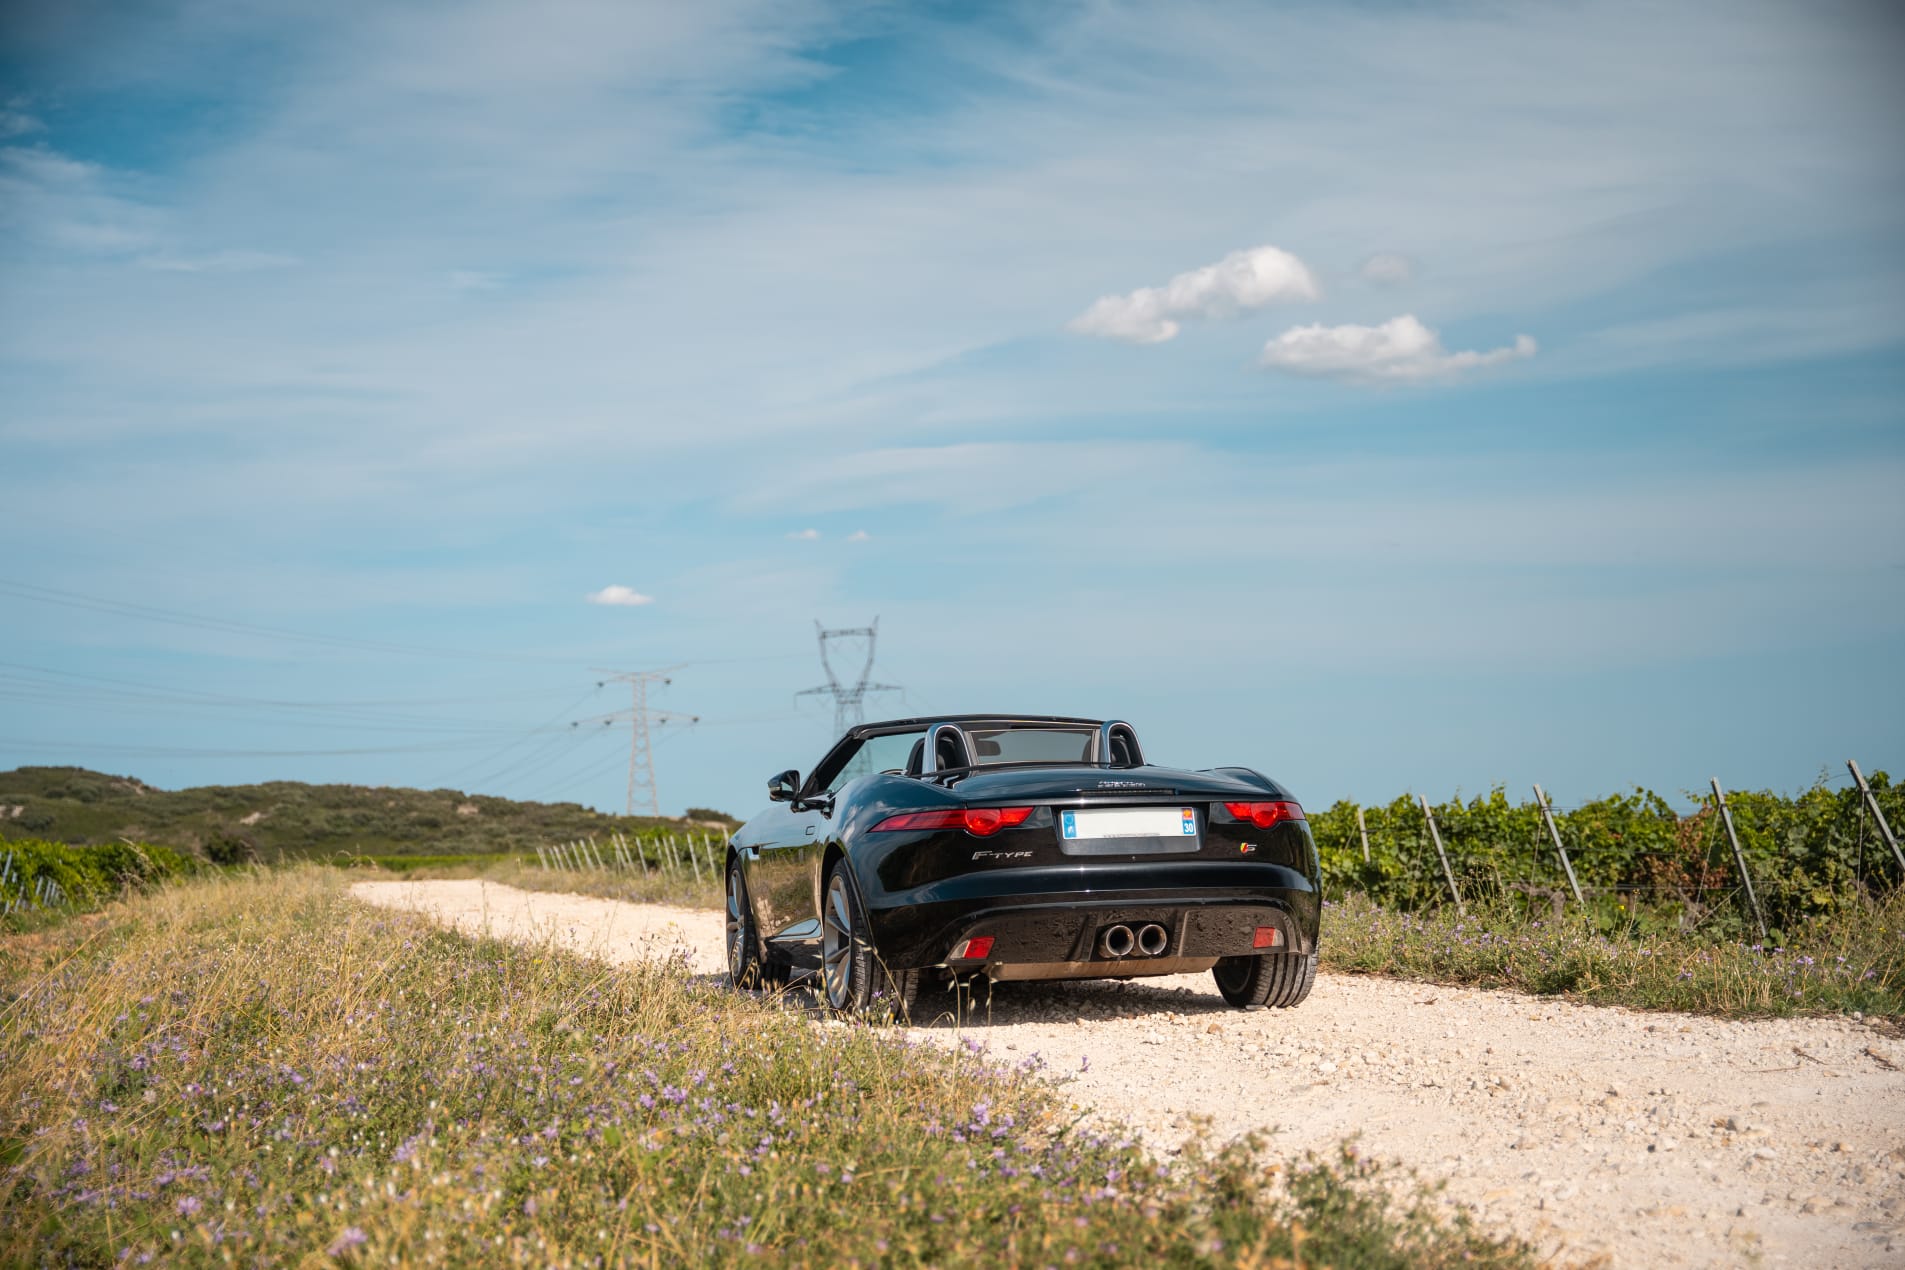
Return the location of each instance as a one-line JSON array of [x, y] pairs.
[[1385, 396]]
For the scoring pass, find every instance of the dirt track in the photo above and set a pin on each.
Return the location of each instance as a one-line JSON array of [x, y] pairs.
[[1651, 1138]]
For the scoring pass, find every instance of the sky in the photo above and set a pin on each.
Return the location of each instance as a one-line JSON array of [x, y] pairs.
[[1390, 397]]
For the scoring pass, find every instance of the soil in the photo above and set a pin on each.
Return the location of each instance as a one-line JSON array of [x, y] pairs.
[[1593, 1132]]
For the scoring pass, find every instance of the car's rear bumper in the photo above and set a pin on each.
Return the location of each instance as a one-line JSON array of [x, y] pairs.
[[1204, 915]]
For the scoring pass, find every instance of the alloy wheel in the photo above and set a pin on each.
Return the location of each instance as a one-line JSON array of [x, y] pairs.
[[836, 943]]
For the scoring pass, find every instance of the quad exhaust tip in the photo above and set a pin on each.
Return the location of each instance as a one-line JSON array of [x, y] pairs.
[[1117, 941], [1152, 940]]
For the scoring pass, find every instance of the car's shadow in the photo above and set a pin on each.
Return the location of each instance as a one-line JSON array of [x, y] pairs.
[[982, 1004]]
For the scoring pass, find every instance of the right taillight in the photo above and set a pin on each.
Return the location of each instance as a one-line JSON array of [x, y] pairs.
[[1264, 815]]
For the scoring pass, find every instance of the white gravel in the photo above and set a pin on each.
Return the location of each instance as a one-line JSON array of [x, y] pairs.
[[1647, 1138]]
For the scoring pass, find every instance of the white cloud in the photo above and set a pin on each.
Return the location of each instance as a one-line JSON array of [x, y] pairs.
[[859, 535], [969, 478], [242, 260], [475, 280], [1401, 350], [619, 597], [1241, 281], [804, 535], [1388, 269], [17, 123]]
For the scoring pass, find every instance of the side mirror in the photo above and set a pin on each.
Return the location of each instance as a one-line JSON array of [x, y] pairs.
[[782, 788]]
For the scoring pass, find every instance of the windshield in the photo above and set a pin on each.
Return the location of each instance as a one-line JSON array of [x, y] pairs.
[[1032, 745]]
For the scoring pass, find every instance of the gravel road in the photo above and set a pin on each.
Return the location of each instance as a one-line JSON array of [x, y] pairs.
[[1648, 1138]]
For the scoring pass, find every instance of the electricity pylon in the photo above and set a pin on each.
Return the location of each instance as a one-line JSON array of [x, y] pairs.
[[641, 757], [849, 699]]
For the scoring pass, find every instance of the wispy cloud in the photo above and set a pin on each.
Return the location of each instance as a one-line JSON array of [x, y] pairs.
[[239, 261], [17, 123], [859, 535], [1387, 269], [475, 280], [804, 535], [1401, 350], [618, 596], [1240, 282]]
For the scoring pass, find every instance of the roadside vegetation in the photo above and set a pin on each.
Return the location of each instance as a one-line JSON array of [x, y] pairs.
[[1847, 960], [1810, 855], [676, 885], [253, 1068], [43, 882]]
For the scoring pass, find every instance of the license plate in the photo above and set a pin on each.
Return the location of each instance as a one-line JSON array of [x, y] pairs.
[[1128, 822]]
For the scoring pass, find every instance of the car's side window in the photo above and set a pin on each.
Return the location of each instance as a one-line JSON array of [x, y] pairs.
[[875, 754]]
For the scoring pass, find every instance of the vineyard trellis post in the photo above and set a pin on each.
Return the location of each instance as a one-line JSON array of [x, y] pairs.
[[1878, 817], [1567, 867], [1739, 858], [1362, 827], [1435, 835]]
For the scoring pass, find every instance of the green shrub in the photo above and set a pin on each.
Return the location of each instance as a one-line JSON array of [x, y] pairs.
[[88, 875], [228, 848], [1809, 855]]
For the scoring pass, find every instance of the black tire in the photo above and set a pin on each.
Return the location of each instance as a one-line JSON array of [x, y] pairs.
[[744, 945], [1277, 980], [852, 979]]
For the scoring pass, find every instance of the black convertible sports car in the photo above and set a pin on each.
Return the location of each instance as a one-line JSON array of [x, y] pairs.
[[1019, 847]]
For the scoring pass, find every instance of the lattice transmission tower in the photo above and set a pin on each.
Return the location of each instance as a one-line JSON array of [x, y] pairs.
[[849, 698], [641, 750]]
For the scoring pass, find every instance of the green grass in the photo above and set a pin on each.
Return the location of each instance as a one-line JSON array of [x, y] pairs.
[[1850, 959], [256, 1070]]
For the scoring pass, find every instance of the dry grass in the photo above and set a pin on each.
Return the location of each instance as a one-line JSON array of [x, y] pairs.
[[256, 1070]]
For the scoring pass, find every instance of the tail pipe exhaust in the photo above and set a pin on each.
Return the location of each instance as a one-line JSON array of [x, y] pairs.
[[1152, 940], [1117, 941]]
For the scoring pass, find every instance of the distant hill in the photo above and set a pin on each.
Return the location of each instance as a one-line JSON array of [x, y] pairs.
[[283, 819]]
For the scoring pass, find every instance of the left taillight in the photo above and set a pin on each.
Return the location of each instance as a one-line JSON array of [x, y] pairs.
[[1264, 815], [980, 822]]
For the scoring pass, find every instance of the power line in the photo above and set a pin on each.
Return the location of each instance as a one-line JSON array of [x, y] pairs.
[[849, 700], [201, 621], [641, 758]]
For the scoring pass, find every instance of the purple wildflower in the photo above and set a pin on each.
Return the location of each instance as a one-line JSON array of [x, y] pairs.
[[348, 1238]]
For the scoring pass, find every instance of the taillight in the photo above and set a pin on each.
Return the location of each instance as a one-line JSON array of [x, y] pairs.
[[980, 822], [971, 949], [1264, 815], [1267, 937]]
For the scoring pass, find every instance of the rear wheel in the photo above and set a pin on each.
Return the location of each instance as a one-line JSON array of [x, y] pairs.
[[851, 976], [744, 956], [1278, 980]]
